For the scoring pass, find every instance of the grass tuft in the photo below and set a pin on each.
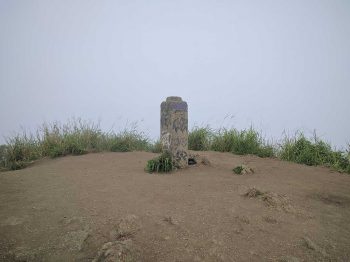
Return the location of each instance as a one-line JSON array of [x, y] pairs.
[[161, 164], [238, 170], [242, 170]]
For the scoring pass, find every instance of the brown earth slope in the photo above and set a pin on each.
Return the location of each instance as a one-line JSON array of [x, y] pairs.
[[67, 209]]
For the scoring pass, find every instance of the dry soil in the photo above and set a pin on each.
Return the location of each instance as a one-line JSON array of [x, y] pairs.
[[105, 207]]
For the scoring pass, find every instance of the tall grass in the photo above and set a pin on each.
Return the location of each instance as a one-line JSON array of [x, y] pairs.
[[80, 137], [313, 152], [156, 147], [76, 137], [20, 150], [229, 140], [300, 149], [242, 142], [128, 140], [200, 138]]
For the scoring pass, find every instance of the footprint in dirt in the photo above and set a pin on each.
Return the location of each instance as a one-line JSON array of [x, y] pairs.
[[332, 199]]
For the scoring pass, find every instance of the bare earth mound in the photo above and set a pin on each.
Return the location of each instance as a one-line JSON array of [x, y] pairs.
[[104, 207]]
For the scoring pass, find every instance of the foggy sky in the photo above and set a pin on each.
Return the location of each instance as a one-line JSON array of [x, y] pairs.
[[277, 65]]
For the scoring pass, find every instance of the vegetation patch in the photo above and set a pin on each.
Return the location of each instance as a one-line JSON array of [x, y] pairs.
[[314, 152], [3, 153], [242, 170], [156, 147], [199, 138], [229, 140], [241, 142], [20, 151], [299, 149], [76, 137], [79, 137], [127, 141], [160, 164]]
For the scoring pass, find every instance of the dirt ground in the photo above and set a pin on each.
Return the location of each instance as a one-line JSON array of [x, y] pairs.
[[105, 207]]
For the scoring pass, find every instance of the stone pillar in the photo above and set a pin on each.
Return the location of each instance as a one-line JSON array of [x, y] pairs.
[[174, 129]]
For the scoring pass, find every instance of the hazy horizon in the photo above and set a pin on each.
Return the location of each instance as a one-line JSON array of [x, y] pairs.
[[277, 65]]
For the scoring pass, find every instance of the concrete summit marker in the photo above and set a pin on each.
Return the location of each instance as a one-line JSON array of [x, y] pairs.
[[174, 129]]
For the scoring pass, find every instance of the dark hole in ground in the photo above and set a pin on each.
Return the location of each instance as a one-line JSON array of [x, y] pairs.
[[192, 161]]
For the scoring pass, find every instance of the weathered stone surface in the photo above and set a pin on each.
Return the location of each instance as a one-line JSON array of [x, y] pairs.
[[174, 129]]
